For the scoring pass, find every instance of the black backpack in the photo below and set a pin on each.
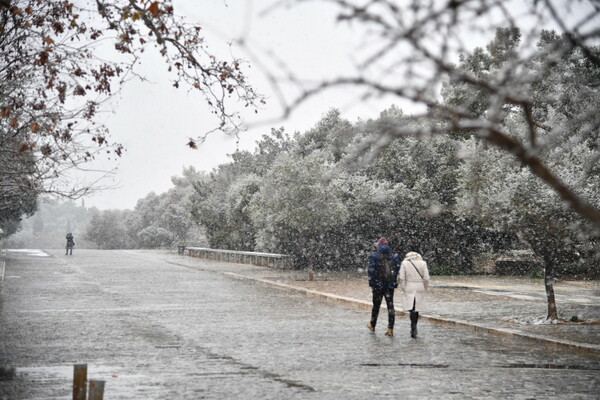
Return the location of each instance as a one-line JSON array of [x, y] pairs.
[[386, 268]]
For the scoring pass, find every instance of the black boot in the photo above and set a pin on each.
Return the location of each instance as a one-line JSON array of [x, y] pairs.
[[414, 318]]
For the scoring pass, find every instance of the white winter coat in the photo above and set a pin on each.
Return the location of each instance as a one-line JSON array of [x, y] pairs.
[[414, 287]]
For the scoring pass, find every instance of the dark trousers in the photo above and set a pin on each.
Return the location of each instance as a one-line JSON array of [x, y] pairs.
[[414, 318], [69, 250], [378, 295]]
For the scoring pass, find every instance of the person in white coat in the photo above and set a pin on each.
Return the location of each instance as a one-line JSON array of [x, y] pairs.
[[414, 280]]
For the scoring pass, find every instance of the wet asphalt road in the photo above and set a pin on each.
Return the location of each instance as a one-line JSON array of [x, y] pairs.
[[153, 329]]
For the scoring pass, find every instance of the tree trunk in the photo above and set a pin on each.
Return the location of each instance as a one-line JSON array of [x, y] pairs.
[[309, 246], [311, 272], [549, 284], [546, 251]]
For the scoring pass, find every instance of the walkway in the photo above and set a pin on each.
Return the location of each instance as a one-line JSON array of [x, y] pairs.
[[513, 306], [156, 325]]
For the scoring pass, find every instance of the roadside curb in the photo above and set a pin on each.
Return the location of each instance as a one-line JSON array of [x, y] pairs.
[[366, 305]]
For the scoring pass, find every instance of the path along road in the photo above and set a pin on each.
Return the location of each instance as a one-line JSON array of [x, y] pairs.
[[154, 328]]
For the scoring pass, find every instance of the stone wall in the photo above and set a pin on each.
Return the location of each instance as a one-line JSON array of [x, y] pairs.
[[242, 257]]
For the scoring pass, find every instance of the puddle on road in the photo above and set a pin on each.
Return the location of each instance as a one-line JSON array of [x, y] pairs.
[[451, 287], [507, 366], [550, 366], [169, 346], [406, 365], [508, 294]]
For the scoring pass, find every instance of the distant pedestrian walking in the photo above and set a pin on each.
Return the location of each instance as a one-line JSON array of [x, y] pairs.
[[383, 279], [414, 280], [70, 244]]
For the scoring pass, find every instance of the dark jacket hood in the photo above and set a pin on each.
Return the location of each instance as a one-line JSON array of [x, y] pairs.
[[384, 248]]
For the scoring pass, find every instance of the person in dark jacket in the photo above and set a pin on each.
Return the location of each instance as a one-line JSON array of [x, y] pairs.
[[70, 244], [383, 279]]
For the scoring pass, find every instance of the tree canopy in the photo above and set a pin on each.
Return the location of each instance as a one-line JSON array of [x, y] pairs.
[[410, 49]]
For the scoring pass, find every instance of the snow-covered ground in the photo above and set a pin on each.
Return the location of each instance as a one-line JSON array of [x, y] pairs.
[[30, 252]]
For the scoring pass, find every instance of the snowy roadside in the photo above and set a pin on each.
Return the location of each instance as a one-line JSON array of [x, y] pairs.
[[503, 305], [507, 311]]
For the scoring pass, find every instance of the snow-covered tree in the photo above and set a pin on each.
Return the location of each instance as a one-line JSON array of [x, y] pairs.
[[558, 134], [410, 49], [296, 208], [155, 237], [108, 230], [158, 220], [176, 219], [237, 212], [284, 197], [221, 201], [18, 191], [509, 197]]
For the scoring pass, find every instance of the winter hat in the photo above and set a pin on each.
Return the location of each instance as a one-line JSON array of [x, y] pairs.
[[381, 241]]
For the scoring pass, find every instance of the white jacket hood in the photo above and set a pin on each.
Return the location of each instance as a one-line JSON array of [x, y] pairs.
[[413, 256]]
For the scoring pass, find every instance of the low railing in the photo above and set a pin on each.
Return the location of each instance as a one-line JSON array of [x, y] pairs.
[[242, 257]]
